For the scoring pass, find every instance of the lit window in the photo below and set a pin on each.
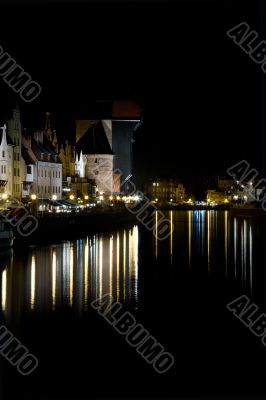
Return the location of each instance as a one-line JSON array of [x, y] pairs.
[[158, 184], [154, 184]]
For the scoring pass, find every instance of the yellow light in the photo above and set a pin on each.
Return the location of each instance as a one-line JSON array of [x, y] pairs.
[[101, 197], [101, 193], [33, 197], [111, 198], [118, 197], [54, 197], [156, 199], [4, 196], [71, 197], [4, 286], [226, 200], [86, 197]]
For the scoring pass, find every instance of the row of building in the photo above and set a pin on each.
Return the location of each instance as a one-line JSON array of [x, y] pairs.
[[223, 189], [39, 163], [220, 190]]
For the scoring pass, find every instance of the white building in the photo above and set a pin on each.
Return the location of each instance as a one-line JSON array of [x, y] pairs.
[[6, 163], [43, 168]]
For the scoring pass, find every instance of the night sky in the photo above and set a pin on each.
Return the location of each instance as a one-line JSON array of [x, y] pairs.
[[200, 93]]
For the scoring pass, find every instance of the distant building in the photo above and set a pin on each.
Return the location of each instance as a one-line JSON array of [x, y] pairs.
[[217, 197], [180, 193], [164, 190], [225, 184]]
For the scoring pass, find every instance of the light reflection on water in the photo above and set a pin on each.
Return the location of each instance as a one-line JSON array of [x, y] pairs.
[[211, 238], [74, 273]]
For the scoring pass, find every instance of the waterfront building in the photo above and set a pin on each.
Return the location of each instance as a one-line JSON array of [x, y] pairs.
[[6, 163], [165, 190], [94, 156], [120, 119], [216, 197], [42, 166], [14, 130]]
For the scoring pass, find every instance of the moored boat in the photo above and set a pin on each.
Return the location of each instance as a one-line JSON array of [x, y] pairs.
[[6, 235]]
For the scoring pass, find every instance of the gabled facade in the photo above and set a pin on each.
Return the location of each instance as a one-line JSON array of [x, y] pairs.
[[6, 163]]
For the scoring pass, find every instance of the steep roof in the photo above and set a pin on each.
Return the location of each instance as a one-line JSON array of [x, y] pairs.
[[94, 141], [26, 156], [8, 138]]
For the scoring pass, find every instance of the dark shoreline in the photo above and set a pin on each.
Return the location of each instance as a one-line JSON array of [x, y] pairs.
[[64, 227]]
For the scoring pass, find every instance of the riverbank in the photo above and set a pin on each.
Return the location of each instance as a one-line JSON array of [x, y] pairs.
[[67, 226], [190, 207]]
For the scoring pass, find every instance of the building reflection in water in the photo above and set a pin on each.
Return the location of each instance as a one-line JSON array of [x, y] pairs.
[[74, 273], [214, 239]]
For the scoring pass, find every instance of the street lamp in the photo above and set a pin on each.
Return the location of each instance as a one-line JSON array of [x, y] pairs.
[[54, 197], [34, 209], [71, 197], [86, 197]]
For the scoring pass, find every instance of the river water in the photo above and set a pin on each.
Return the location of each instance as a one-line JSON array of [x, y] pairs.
[[176, 288]]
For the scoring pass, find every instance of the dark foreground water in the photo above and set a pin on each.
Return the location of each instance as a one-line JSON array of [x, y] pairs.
[[177, 289]]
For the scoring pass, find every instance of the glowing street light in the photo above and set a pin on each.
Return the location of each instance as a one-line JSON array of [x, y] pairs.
[[71, 197], [111, 198], [86, 197], [33, 197], [54, 197]]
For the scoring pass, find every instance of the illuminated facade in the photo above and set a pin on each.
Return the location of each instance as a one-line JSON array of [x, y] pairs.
[[94, 156], [6, 163], [165, 190], [43, 168], [14, 130]]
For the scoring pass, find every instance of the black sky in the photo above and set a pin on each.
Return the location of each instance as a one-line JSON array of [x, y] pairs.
[[199, 92]]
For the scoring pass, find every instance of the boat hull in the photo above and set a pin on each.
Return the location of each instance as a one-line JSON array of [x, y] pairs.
[[6, 242]]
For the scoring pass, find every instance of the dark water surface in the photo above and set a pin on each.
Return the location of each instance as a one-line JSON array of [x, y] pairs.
[[177, 288]]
